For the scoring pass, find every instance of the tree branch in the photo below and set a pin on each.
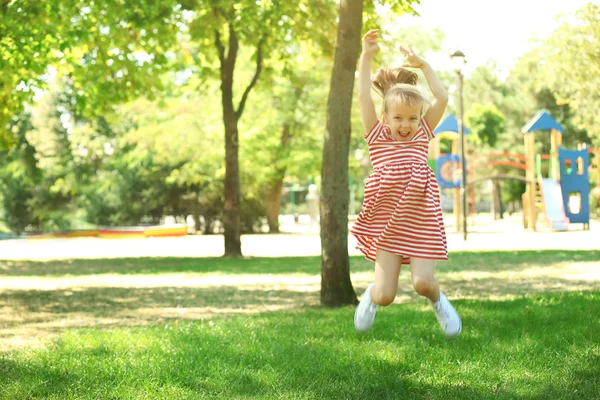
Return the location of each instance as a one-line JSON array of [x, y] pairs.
[[4, 8], [219, 13], [259, 62], [233, 45], [220, 47]]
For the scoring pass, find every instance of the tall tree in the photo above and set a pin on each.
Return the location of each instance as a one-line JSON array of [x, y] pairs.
[[572, 66], [287, 125], [336, 287], [268, 28], [231, 117]]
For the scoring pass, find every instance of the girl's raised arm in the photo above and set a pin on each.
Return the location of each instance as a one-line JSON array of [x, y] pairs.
[[440, 97], [367, 107]]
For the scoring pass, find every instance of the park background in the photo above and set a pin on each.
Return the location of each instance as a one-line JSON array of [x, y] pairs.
[[119, 115]]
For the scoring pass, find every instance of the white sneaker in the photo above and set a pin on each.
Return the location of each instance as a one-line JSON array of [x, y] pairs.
[[447, 316], [365, 311]]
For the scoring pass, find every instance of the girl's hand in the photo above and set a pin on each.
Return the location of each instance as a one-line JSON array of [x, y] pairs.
[[370, 45], [411, 60]]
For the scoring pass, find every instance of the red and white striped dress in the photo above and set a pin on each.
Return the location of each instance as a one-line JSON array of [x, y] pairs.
[[401, 211]]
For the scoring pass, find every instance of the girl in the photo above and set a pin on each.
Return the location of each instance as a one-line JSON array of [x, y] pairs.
[[401, 218]]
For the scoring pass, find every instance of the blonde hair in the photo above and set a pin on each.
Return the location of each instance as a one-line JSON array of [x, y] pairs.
[[397, 85]]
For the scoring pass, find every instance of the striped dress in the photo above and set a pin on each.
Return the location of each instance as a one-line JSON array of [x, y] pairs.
[[401, 211]]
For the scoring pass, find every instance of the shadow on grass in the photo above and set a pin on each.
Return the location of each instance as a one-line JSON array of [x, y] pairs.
[[42, 310], [108, 302], [31, 313], [36, 313], [459, 261], [539, 347]]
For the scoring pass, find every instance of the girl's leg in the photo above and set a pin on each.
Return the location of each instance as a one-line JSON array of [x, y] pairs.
[[426, 285], [382, 292], [387, 271]]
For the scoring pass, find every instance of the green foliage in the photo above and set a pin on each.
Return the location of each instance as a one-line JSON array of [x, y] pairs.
[[278, 24], [77, 154], [32, 34], [372, 11], [18, 176], [486, 124], [111, 51], [168, 164], [571, 65], [15, 199], [293, 100], [538, 81]]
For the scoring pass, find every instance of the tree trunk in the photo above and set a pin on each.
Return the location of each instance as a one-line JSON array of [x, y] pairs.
[[231, 116], [274, 199], [494, 203], [499, 202], [196, 218], [336, 286], [231, 211], [274, 206]]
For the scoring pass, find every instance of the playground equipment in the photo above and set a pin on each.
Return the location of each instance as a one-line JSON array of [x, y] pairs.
[[596, 190], [575, 184], [562, 197], [551, 196]]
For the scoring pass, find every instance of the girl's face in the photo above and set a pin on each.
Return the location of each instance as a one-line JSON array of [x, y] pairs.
[[403, 120]]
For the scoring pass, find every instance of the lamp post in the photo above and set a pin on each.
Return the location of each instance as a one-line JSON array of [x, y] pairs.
[[458, 59]]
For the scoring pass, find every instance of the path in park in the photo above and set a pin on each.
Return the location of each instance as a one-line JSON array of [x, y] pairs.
[[299, 240]]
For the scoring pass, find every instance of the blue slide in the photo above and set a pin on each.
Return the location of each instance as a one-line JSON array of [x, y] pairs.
[[553, 204]]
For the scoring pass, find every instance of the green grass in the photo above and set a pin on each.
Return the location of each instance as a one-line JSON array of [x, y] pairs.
[[540, 343], [538, 347], [483, 260]]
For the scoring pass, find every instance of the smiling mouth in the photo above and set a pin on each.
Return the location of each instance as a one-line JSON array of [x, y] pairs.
[[404, 134]]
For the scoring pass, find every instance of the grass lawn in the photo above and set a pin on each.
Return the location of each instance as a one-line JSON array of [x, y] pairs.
[[194, 328]]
